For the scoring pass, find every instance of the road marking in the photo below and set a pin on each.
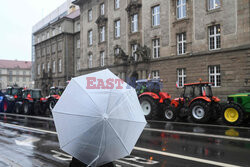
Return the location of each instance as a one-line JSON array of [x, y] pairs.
[[147, 129], [199, 134], [127, 163], [143, 149], [180, 123], [185, 157], [26, 128], [28, 116], [186, 123]]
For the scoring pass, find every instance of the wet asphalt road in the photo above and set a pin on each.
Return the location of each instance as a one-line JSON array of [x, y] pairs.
[[32, 141]]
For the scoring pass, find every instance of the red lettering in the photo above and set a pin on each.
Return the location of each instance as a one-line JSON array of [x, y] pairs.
[[100, 84], [110, 83], [119, 81], [90, 83]]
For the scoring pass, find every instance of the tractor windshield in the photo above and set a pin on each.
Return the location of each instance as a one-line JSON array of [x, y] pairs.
[[36, 94], [207, 91], [12, 91]]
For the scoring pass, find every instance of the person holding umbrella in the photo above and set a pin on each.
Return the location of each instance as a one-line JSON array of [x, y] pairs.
[[98, 126], [76, 163]]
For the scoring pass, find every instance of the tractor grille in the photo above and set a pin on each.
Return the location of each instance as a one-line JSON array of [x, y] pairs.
[[239, 100]]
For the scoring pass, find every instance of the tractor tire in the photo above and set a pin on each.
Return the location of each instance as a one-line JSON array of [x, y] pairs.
[[215, 112], [169, 113], [27, 108], [200, 112], [232, 114], [18, 109], [149, 107], [52, 104]]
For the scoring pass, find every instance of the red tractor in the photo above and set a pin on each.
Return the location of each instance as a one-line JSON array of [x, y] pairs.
[[197, 102], [152, 100], [54, 96]]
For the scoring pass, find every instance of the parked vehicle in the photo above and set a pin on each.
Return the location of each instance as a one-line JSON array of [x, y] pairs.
[[153, 100], [12, 95], [54, 96], [197, 102], [31, 102], [237, 109], [3, 104]]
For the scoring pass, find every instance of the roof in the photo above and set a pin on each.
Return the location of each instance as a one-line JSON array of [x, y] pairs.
[[74, 14], [198, 83], [13, 64]]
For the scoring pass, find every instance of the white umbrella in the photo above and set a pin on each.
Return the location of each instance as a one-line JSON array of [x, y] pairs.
[[98, 118]]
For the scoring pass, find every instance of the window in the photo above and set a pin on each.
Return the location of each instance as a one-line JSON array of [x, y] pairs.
[[102, 34], [60, 29], [43, 67], [24, 72], [156, 16], [59, 46], [102, 59], [54, 32], [43, 37], [134, 23], [38, 53], [156, 48], [90, 36], [38, 39], [53, 48], [117, 4], [90, 61], [214, 75], [48, 66], [60, 65], [117, 51], [181, 9], [102, 9], [155, 75], [48, 35], [134, 49], [48, 50], [78, 64], [38, 69], [90, 15], [214, 37], [54, 67], [78, 27], [78, 44], [24, 79], [181, 43], [181, 76], [17, 78], [213, 4], [117, 29], [43, 51]]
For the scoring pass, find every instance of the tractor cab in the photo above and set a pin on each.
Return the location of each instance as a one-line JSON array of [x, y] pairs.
[[15, 92], [56, 91], [195, 90], [32, 94], [154, 85]]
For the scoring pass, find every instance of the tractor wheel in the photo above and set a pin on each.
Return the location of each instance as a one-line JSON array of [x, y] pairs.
[[199, 112], [17, 109], [170, 113], [232, 114], [52, 104], [216, 112], [27, 108], [149, 107]]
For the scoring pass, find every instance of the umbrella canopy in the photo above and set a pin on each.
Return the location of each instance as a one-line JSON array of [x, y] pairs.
[[98, 118]]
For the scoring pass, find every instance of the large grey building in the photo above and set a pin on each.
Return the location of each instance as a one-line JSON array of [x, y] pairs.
[[56, 46], [176, 40]]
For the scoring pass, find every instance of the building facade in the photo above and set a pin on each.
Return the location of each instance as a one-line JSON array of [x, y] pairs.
[[179, 41], [56, 47], [15, 73]]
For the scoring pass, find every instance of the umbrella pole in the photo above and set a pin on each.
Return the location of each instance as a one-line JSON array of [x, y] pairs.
[[94, 161]]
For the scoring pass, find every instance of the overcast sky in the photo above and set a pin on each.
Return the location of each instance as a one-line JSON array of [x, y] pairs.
[[17, 18]]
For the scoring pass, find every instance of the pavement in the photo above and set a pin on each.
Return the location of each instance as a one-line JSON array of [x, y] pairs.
[[31, 141]]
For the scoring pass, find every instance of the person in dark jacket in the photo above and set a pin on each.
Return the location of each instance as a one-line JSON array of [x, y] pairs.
[[76, 163]]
